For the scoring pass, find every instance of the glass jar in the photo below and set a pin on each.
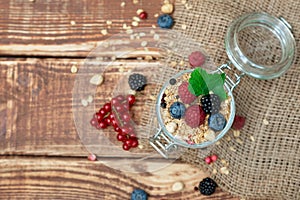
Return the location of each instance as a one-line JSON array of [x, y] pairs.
[[258, 45]]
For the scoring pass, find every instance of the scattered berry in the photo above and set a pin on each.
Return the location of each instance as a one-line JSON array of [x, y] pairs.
[[92, 157], [184, 94], [207, 186], [137, 82], [163, 104], [126, 147], [216, 122], [107, 107], [177, 110], [194, 116], [139, 194], [143, 15], [131, 99], [172, 81], [165, 21], [196, 59], [208, 160], [211, 103], [214, 158], [238, 122]]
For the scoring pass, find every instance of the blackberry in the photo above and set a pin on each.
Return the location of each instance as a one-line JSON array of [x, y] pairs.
[[137, 82], [211, 103], [207, 186]]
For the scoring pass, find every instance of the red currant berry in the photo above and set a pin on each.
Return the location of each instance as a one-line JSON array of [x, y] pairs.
[[98, 116], [129, 142], [208, 160], [103, 124], [131, 99], [102, 112], [111, 116], [114, 123], [107, 107], [93, 122], [135, 143], [121, 137], [117, 129], [143, 15], [120, 98], [214, 158], [126, 117], [127, 129], [92, 157], [126, 147], [107, 121]]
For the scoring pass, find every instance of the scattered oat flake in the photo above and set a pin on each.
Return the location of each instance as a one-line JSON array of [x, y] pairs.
[[177, 186], [214, 171], [153, 26], [139, 11], [144, 43], [104, 32], [265, 122], [74, 69], [148, 57], [156, 37], [123, 4], [183, 1], [232, 149], [90, 99], [135, 1], [238, 140], [72, 23], [121, 69], [236, 133], [224, 170], [141, 146], [183, 26], [84, 102], [252, 138], [173, 63], [134, 23], [142, 34], [108, 22], [224, 162], [129, 31], [156, 15], [135, 18], [228, 138], [97, 79]]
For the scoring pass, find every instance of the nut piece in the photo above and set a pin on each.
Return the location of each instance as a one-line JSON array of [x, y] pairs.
[[210, 135], [224, 170], [167, 8], [171, 127], [177, 186], [96, 79]]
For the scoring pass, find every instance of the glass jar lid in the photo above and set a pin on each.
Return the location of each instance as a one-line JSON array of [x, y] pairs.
[[260, 45]]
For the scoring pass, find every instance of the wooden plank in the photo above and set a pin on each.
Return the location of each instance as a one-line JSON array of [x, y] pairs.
[[65, 28], [69, 178], [36, 104]]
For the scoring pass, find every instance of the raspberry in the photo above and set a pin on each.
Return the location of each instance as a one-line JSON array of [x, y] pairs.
[[238, 122], [194, 116], [211, 103], [184, 94], [207, 186], [196, 59], [137, 82]]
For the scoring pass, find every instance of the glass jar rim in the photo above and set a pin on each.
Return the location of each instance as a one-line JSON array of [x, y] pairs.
[[282, 31]]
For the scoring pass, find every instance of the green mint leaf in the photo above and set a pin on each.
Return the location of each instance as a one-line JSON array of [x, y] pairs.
[[197, 84], [201, 82]]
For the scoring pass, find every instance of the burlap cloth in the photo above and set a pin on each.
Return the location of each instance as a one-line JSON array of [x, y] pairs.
[[264, 161]]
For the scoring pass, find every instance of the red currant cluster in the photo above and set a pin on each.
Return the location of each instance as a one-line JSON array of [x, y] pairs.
[[116, 113]]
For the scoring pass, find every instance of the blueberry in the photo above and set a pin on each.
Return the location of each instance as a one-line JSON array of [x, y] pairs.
[[216, 122], [165, 21], [163, 104], [177, 110], [139, 194], [172, 81]]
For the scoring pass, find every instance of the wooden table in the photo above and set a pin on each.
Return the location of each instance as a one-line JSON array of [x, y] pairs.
[[41, 154]]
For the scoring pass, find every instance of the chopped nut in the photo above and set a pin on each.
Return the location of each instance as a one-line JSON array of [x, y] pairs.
[[232, 149], [74, 69], [135, 1], [238, 140], [210, 135], [135, 18], [72, 23], [144, 43], [84, 102], [141, 146], [123, 4], [90, 99], [228, 138], [108, 22], [96, 79], [171, 127], [104, 32], [167, 8], [148, 57], [183, 26], [224, 162], [265, 122], [156, 15], [153, 26], [139, 11], [177, 186], [134, 23], [214, 171], [252, 138], [224, 170]]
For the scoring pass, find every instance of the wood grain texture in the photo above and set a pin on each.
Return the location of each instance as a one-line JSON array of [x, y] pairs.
[[52, 178], [65, 28]]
